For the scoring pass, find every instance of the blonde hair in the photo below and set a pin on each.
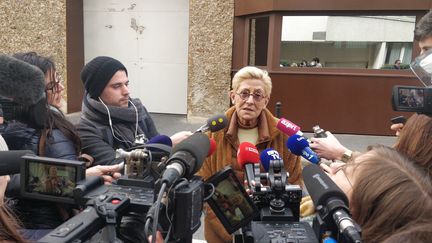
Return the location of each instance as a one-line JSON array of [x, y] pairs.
[[250, 72]]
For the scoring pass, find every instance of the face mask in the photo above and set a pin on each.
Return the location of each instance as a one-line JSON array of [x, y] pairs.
[[422, 68]]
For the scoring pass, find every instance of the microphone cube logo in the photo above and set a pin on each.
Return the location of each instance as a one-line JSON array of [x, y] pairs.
[[274, 154], [253, 150], [289, 125]]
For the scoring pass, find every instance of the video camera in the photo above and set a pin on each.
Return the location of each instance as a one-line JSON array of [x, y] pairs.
[[270, 214], [416, 99], [128, 209]]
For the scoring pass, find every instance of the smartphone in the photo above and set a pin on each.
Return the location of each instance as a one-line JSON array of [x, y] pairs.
[[229, 200]]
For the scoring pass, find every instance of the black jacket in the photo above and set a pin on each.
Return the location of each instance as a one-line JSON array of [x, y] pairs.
[[35, 214], [96, 133]]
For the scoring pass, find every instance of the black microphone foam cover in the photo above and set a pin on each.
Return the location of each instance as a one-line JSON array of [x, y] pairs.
[[21, 81], [198, 146], [217, 122], [10, 161], [320, 186]]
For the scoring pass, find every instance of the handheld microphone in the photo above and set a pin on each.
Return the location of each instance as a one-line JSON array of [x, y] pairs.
[[299, 146], [159, 143], [330, 202], [247, 156], [214, 124], [212, 148], [268, 155], [10, 161], [186, 158], [288, 127]]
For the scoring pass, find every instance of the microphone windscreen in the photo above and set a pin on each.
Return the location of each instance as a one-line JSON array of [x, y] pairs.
[[10, 161], [287, 127], [21, 81], [212, 147], [160, 139], [197, 145], [267, 155], [296, 144], [247, 153], [320, 186], [217, 122]]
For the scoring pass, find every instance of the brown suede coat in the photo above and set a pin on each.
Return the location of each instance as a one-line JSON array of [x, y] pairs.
[[226, 152]]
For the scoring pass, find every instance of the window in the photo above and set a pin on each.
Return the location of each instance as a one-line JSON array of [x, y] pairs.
[[258, 41], [372, 42]]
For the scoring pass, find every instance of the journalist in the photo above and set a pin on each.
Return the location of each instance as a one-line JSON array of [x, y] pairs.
[[388, 194], [422, 34], [8, 222], [56, 139], [110, 119], [249, 121]]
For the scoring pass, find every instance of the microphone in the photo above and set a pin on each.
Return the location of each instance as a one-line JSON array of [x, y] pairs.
[[159, 143], [10, 161], [299, 146], [186, 158], [212, 148], [24, 87], [288, 127], [330, 202], [247, 156], [268, 155], [214, 124], [21, 81]]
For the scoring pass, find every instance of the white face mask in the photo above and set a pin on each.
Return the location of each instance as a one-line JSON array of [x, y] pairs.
[[422, 68]]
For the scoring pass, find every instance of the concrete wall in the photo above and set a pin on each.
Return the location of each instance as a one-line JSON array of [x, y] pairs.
[[210, 55], [38, 26]]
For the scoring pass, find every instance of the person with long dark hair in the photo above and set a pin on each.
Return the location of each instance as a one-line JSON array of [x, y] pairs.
[[57, 139]]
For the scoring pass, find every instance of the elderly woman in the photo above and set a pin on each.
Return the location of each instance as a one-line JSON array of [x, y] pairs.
[[385, 204], [249, 121]]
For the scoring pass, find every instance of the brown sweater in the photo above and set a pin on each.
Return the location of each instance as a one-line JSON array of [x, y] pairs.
[[226, 152]]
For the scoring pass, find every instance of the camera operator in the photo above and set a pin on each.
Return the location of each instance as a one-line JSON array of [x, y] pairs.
[[414, 140], [110, 119], [387, 194], [422, 34], [248, 121], [56, 139]]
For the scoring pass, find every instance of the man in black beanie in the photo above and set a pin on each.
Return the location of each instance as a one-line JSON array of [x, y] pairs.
[[110, 119]]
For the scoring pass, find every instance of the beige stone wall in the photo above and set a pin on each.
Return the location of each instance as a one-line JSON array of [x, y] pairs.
[[32, 25], [210, 56]]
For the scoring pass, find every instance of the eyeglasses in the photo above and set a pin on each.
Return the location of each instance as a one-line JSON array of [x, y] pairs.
[[244, 95], [54, 86]]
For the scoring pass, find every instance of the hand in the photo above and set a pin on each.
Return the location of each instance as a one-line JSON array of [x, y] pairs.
[[159, 237], [333, 168], [108, 172], [180, 136], [397, 127], [3, 183], [328, 148]]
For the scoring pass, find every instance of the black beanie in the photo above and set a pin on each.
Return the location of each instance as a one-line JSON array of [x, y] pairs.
[[98, 72]]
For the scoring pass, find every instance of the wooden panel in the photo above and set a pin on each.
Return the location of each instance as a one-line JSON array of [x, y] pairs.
[[338, 103], [244, 7], [75, 53]]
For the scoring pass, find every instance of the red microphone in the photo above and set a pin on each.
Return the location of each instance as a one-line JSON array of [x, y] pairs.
[[247, 156], [212, 147], [288, 127]]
